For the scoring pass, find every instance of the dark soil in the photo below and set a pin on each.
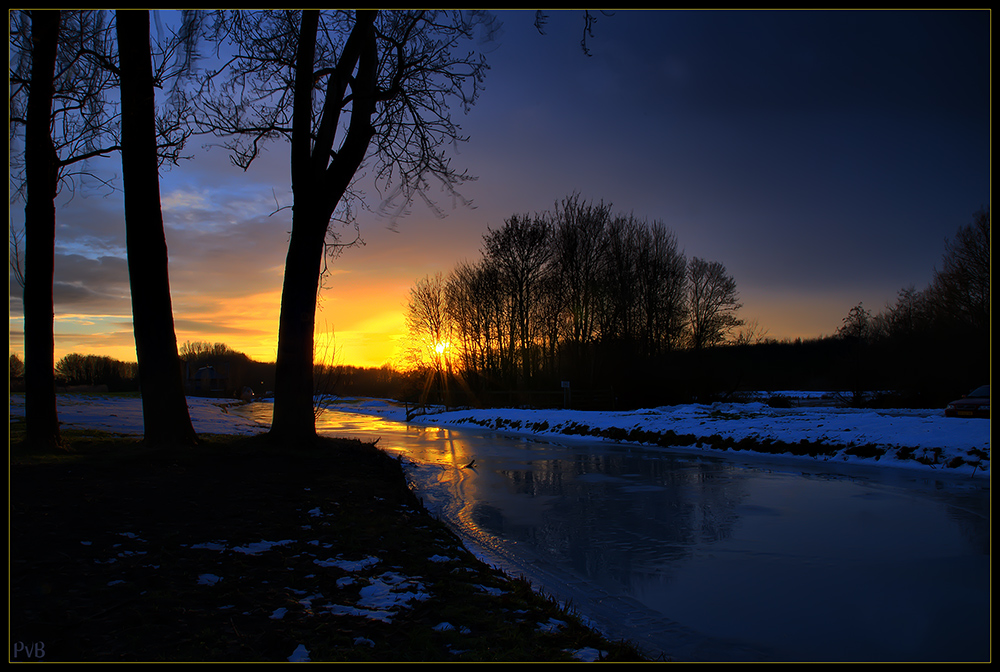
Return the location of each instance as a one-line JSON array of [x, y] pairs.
[[114, 546]]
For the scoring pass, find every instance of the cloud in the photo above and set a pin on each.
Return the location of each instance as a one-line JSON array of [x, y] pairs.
[[186, 200], [91, 286], [117, 343]]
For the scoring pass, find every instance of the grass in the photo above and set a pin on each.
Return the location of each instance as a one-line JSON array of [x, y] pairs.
[[114, 546]]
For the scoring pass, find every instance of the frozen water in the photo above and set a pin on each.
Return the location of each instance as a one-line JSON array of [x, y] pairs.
[[708, 556]]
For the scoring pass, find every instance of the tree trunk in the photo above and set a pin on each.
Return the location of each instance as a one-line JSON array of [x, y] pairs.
[[42, 170], [317, 188], [294, 419], [164, 409]]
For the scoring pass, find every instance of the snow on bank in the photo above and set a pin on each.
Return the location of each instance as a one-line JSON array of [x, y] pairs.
[[919, 438], [886, 437], [122, 414]]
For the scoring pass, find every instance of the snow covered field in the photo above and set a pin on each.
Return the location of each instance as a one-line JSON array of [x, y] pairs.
[[921, 439], [118, 414]]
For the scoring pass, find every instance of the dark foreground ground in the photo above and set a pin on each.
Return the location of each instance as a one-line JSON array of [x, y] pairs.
[[124, 553]]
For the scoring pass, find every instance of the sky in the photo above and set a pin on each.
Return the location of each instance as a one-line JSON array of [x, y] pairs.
[[823, 157]]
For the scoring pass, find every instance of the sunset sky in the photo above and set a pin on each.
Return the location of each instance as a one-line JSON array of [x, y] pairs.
[[822, 157]]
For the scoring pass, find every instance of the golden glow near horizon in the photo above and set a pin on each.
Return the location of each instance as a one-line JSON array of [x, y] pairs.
[[365, 327]]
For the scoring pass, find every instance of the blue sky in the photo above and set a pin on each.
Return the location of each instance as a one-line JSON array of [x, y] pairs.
[[822, 156]]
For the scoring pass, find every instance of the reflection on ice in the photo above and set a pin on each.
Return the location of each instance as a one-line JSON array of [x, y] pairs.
[[710, 558]]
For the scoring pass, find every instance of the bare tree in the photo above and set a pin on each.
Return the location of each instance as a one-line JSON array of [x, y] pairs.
[[858, 326], [63, 68], [465, 310], [76, 369], [428, 321], [16, 253], [83, 123], [752, 334], [430, 331], [589, 19], [164, 408], [521, 250], [661, 273], [712, 303], [478, 310], [41, 167], [619, 283], [961, 289], [202, 349], [555, 293], [343, 87], [580, 240]]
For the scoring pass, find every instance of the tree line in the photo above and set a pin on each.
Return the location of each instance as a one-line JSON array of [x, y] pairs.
[[75, 369], [934, 343], [574, 295], [333, 380], [922, 350], [604, 301], [90, 370]]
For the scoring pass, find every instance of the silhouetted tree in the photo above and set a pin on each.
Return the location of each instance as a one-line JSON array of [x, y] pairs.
[[589, 19], [84, 124], [41, 178], [580, 241], [960, 291], [428, 322], [164, 408], [520, 250], [478, 311], [16, 367], [712, 303], [661, 270], [429, 326], [857, 326], [76, 369], [619, 284], [945, 327], [192, 350], [573, 294], [343, 87], [858, 330]]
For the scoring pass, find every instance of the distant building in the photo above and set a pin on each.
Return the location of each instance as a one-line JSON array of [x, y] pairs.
[[208, 380]]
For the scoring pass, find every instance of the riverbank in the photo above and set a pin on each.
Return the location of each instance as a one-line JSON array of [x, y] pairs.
[[920, 439], [240, 551]]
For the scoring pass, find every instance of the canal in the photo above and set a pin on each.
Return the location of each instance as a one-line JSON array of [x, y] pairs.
[[699, 557]]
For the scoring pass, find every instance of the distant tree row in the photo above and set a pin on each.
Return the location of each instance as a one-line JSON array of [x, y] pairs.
[[195, 350], [958, 299], [932, 343], [561, 295], [76, 369]]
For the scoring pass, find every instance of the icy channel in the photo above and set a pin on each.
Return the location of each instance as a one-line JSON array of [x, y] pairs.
[[705, 558]]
